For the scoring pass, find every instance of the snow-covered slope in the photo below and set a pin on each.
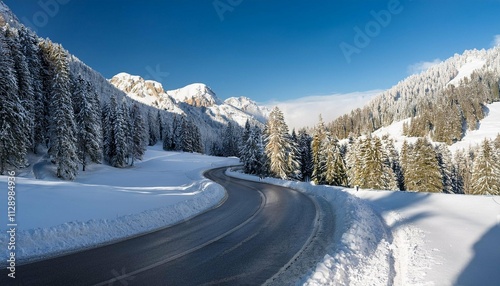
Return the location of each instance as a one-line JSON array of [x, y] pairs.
[[249, 106], [466, 70], [194, 100], [489, 128], [105, 203]]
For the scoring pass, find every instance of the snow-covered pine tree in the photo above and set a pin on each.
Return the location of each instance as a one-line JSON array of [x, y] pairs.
[[376, 170], [13, 115], [167, 135], [177, 132], [187, 136], [196, 135], [332, 164], [318, 138], [121, 136], [496, 143], [446, 167], [486, 171], [464, 162], [294, 158], [24, 80], [278, 147], [62, 136], [244, 136], [252, 153], [306, 165], [393, 161], [88, 122], [422, 173], [138, 144], [31, 51], [161, 125], [404, 159], [115, 134], [354, 162], [153, 128], [230, 141]]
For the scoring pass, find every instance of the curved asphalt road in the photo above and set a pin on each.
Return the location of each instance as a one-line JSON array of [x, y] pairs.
[[245, 240]]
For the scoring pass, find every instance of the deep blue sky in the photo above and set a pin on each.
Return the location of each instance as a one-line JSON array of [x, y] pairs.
[[263, 49]]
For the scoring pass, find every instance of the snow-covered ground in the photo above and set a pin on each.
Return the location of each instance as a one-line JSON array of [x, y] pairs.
[[402, 238], [381, 237], [489, 128], [105, 204]]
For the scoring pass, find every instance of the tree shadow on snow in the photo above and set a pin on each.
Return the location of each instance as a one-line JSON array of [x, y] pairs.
[[484, 267], [397, 201]]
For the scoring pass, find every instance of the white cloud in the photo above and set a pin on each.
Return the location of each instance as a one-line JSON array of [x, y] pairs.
[[305, 111], [422, 66], [496, 41]]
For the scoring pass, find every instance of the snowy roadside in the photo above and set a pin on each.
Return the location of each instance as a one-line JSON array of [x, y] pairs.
[[361, 251], [107, 204], [402, 238]]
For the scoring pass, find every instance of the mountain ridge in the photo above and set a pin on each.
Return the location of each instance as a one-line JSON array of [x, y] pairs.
[[196, 95]]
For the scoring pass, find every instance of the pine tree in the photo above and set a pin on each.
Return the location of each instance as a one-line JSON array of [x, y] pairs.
[[252, 153], [332, 164], [88, 122], [318, 138], [29, 45], [422, 173], [24, 81], [305, 150], [486, 171], [496, 143], [154, 129], [244, 137], [116, 147], [196, 135], [13, 115], [62, 137], [394, 162], [230, 141], [376, 171], [278, 147], [138, 144], [161, 125], [446, 167]]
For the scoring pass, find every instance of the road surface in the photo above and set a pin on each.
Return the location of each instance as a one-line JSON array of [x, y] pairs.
[[248, 239]]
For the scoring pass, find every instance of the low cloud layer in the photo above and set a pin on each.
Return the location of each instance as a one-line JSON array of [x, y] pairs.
[[305, 111]]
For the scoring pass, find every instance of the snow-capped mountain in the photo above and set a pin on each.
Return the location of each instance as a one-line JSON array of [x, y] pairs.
[[192, 99], [459, 94]]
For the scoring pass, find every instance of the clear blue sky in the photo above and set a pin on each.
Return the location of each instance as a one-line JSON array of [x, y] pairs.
[[263, 49]]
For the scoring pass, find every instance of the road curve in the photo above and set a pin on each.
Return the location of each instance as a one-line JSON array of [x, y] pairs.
[[246, 240]]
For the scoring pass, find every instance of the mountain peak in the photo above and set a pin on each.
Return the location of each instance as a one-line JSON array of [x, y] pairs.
[[196, 94]]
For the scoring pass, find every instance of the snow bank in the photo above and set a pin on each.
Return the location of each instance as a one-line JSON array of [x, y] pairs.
[[107, 204]]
